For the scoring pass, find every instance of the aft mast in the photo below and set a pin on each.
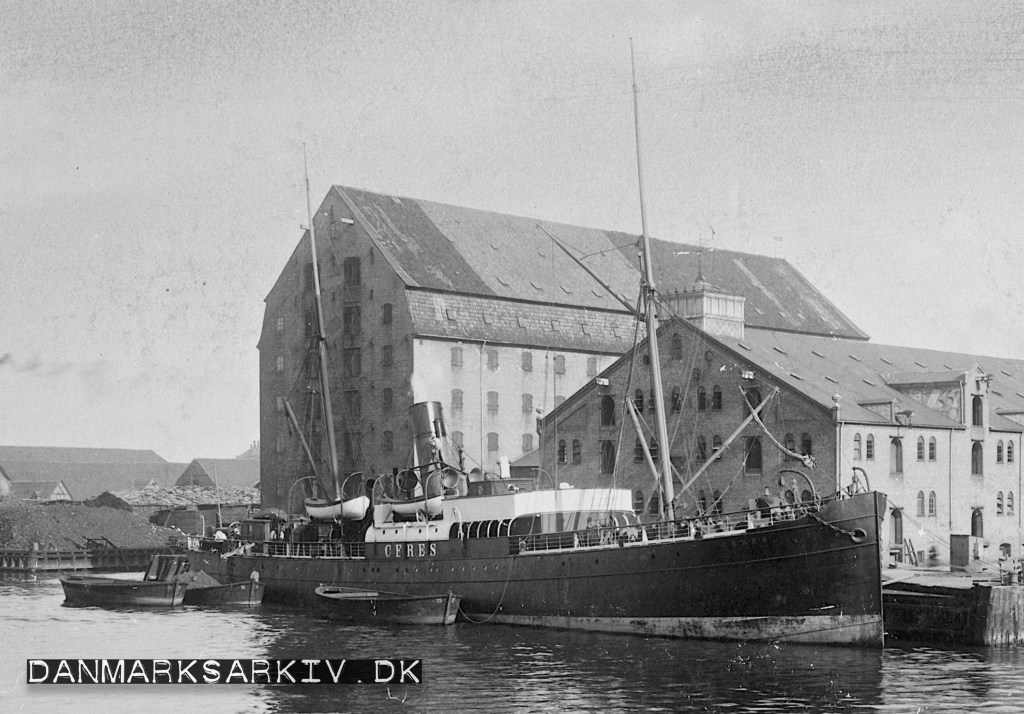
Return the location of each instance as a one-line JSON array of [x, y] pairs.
[[325, 388], [650, 308]]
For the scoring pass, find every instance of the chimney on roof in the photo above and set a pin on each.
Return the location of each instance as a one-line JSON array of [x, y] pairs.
[[711, 309]]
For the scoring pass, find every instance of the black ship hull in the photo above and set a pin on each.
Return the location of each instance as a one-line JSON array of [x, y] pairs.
[[814, 579]]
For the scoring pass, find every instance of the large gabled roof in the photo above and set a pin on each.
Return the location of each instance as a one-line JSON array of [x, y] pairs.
[[73, 455], [436, 246]]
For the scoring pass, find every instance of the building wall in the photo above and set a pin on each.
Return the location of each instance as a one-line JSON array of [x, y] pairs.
[[527, 381], [697, 364]]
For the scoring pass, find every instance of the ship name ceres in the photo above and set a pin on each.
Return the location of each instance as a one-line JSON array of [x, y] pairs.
[[410, 550]]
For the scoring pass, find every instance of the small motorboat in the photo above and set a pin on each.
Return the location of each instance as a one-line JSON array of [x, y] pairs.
[[168, 582], [355, 605], [161, 586]]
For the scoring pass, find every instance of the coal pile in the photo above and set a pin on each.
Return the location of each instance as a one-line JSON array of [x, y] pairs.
[[66, 527]]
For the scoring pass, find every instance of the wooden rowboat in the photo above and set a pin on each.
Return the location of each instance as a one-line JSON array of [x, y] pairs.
[[352, 605]]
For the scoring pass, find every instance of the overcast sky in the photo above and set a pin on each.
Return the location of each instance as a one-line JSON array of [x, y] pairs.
[[151, 169]]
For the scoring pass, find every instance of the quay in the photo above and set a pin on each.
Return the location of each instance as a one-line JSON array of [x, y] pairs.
[[42, 560], [946, 608]]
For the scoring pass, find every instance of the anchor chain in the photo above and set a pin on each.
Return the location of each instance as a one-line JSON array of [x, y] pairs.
[[852, 534]]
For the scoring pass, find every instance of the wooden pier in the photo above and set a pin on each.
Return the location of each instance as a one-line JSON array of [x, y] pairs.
[[40, 560], [953, 611]]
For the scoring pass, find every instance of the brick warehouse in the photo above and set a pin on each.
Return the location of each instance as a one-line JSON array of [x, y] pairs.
[[478, 310], [939, 433]]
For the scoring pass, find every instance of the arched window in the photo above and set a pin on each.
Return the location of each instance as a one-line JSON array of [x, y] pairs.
[[896, 527], [654, 448], [716, 446], [977, 524], [716, 397], [561, 451], [638, 400], [677, 400], [638, 451], [920, 448], [677, 346], [1009, 452], [752, 398], [931, 503], [702, 399], [752, 462], [932, 449], [1009, 503], [999, 503], [638, 501], [805, 496], [790, 496], [577, 451], [1005, 550], [976, 412], [607, 410], [977, 459], [805, 444], [607, 457], [856, 447], [790, 443], [655, 508], [869, 448], [716, 495], [999, 451], [920, 503], [896, 456], [702, 449]]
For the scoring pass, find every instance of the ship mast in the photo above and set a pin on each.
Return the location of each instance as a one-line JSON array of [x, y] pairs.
[[325, 388], [650, 308]]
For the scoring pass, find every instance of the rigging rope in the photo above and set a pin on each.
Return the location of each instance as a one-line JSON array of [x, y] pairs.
[[807, 459]]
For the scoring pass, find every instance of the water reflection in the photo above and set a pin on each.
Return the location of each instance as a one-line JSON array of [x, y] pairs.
[[481, 668]]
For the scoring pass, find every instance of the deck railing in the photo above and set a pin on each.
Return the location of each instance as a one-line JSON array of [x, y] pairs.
[[710, 526]]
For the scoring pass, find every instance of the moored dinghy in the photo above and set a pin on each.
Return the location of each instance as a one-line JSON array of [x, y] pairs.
[[355, 605]]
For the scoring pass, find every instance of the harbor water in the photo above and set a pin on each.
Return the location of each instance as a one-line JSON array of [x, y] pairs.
[[479, 668]]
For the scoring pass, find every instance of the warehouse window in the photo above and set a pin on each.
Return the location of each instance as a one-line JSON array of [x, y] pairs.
[[977, 460], [577, 451], [456, 400], [559, 364], [856, 447], [607, 410], [456, 356], [931, 449], [527, 361], [527, 403]]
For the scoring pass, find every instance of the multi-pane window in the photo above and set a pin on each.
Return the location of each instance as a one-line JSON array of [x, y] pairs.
[[716, 446], [654, 448], [279, 365], [716, 397], [920, 448], [677, 400], [920, 503], [869, 448], [702, 399], [931, 503], [999, 503], [999, 451], [638, 400], [702, 449], [1009, 452], [932, 455], [492, 402], [279, 445], [677, 346], [856, 447], [977, 459], [280, 324], [1009, 503], [562, 451], [577, 451], [638, 451]]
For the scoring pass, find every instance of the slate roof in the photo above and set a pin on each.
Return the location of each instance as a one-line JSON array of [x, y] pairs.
[[820, 367], [88, 479], [778, 296], [471, 251]]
